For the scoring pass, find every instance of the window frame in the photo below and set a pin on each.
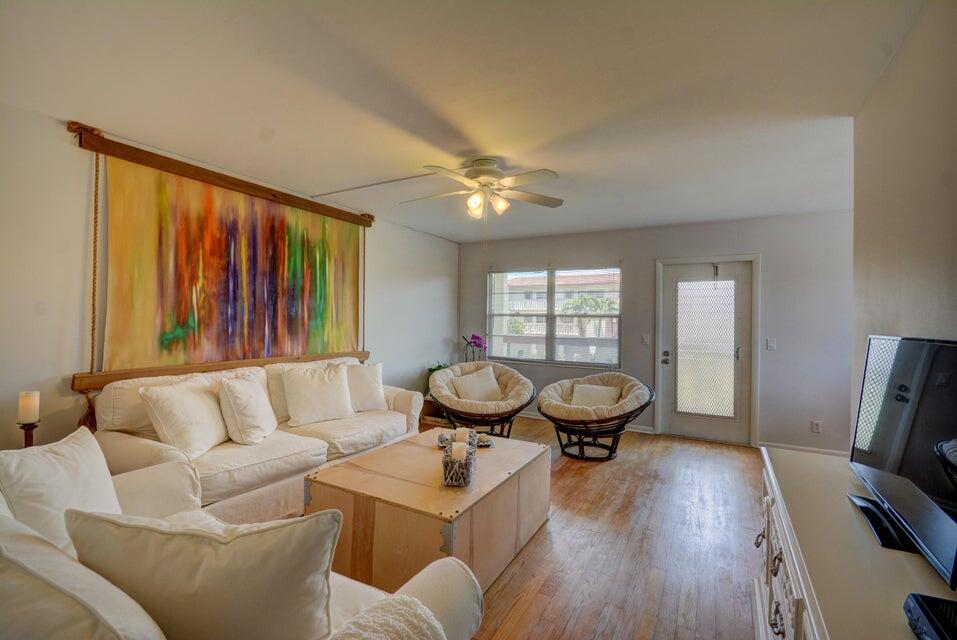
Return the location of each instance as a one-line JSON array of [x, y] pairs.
[[551, 320]]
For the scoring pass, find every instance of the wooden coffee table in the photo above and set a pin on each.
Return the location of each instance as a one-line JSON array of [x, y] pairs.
[[398, 516]]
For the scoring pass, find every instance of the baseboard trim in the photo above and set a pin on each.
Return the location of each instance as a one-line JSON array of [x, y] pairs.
[[794, 447], [640, 428]]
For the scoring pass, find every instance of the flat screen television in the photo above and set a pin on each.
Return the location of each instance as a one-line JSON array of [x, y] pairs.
[[905, 447]]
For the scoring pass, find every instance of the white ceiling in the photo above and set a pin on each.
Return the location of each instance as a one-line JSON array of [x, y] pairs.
[[652, 112]]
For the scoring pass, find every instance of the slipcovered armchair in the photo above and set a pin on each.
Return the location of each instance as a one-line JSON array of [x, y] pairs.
[[515, 392], [582, 425]]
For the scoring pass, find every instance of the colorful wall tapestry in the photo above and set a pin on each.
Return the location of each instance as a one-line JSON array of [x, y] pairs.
[[198, 273]]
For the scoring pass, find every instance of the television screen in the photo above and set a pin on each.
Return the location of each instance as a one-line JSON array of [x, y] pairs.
[[907, 421], [905, 447]]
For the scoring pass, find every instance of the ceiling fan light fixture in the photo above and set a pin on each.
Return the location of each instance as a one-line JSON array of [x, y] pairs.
[[475, 204], [500, 204], [475, 201]]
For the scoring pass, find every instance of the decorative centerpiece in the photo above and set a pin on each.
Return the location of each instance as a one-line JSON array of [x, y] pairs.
[[458, 464], [461, 434]]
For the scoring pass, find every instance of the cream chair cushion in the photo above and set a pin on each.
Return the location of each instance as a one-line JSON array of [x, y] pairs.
[[230, 469], [246, 410], [119, 406], [365, 387], [556, 399], [594, 395], [357, 433], [268, 580], [186, 415], [277, 394], [44, 593], [481, 386], [40, 483], [516, 389]]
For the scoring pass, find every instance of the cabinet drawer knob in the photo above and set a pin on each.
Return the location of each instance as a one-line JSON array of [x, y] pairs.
[[776, 563], [759, 540]]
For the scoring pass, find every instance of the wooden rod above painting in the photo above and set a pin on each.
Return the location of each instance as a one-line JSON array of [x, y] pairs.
[[86, 382], [97, 143]]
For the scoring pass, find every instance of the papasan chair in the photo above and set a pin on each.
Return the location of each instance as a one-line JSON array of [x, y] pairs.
[[592, 417], [472, 397]]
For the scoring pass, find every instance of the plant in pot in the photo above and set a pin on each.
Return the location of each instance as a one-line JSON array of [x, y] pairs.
[[428, 373], [475, 348]]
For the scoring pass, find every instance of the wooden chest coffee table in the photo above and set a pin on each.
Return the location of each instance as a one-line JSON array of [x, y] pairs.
[[398, 516]]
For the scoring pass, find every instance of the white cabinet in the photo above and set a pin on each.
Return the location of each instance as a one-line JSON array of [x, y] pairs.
[[824, 575]]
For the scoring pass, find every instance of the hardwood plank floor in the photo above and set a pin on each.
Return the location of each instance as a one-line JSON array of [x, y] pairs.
[[654, 544]]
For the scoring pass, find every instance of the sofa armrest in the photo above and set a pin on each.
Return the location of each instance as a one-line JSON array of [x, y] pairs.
[[125, 452], [159, 490], [453, 595], [407, 402]]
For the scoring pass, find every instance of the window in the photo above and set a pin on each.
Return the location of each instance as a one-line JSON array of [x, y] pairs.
[[557, 315]]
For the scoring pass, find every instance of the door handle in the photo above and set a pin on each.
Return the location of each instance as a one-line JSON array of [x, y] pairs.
[[737, 354], [665, 361]]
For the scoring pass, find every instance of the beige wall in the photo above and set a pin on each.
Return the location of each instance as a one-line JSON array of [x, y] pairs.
[[411, 299], [45, 261], [905, 189], [806, 305]]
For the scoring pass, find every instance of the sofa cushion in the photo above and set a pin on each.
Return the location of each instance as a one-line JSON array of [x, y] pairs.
[[186, 415], [316, 394], [365, 387], [268, 580], [349, 597], [357, 433], [229, 469], [45, 593], [246, 410], [120, 408], [277, 394], [40, 483]]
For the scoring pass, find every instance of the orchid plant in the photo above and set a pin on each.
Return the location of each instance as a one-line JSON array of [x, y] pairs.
[[475, 347]]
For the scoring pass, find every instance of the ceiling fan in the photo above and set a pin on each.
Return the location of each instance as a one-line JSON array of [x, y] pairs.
[[487, 184]]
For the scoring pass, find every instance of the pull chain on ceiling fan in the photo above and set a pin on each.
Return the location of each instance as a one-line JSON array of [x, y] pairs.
[[488, 185]]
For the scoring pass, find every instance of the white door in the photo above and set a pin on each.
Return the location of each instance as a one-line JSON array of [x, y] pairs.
[[704, 390]]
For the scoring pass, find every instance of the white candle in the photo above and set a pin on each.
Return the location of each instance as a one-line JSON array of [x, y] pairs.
[[459, 450], [462, 434], [28, 407]]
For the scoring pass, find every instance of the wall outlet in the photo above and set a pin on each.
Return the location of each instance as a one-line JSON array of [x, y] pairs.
[[815, 426]]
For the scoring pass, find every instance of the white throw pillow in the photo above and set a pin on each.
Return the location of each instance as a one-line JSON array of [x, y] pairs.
[[267, 580], [317, 394], [40, 483], [44, 593], [365, 387], [595, 395], [186, 415], [246, 410], [480, 386], [277, 394]]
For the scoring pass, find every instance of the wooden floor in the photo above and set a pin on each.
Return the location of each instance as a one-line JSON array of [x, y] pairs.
[[654, 544]]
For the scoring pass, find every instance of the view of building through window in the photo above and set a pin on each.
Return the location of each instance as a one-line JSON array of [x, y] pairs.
[[568, 315]]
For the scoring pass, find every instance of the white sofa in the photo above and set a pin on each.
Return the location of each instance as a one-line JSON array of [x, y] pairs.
[[46, 593], [250, 483]]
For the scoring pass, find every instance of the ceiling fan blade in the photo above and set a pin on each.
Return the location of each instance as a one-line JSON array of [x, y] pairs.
[[528, 178], [438, 195], [448, 173], [534, 198]]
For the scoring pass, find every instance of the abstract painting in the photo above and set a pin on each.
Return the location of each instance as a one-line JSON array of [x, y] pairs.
[[199, 273]]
